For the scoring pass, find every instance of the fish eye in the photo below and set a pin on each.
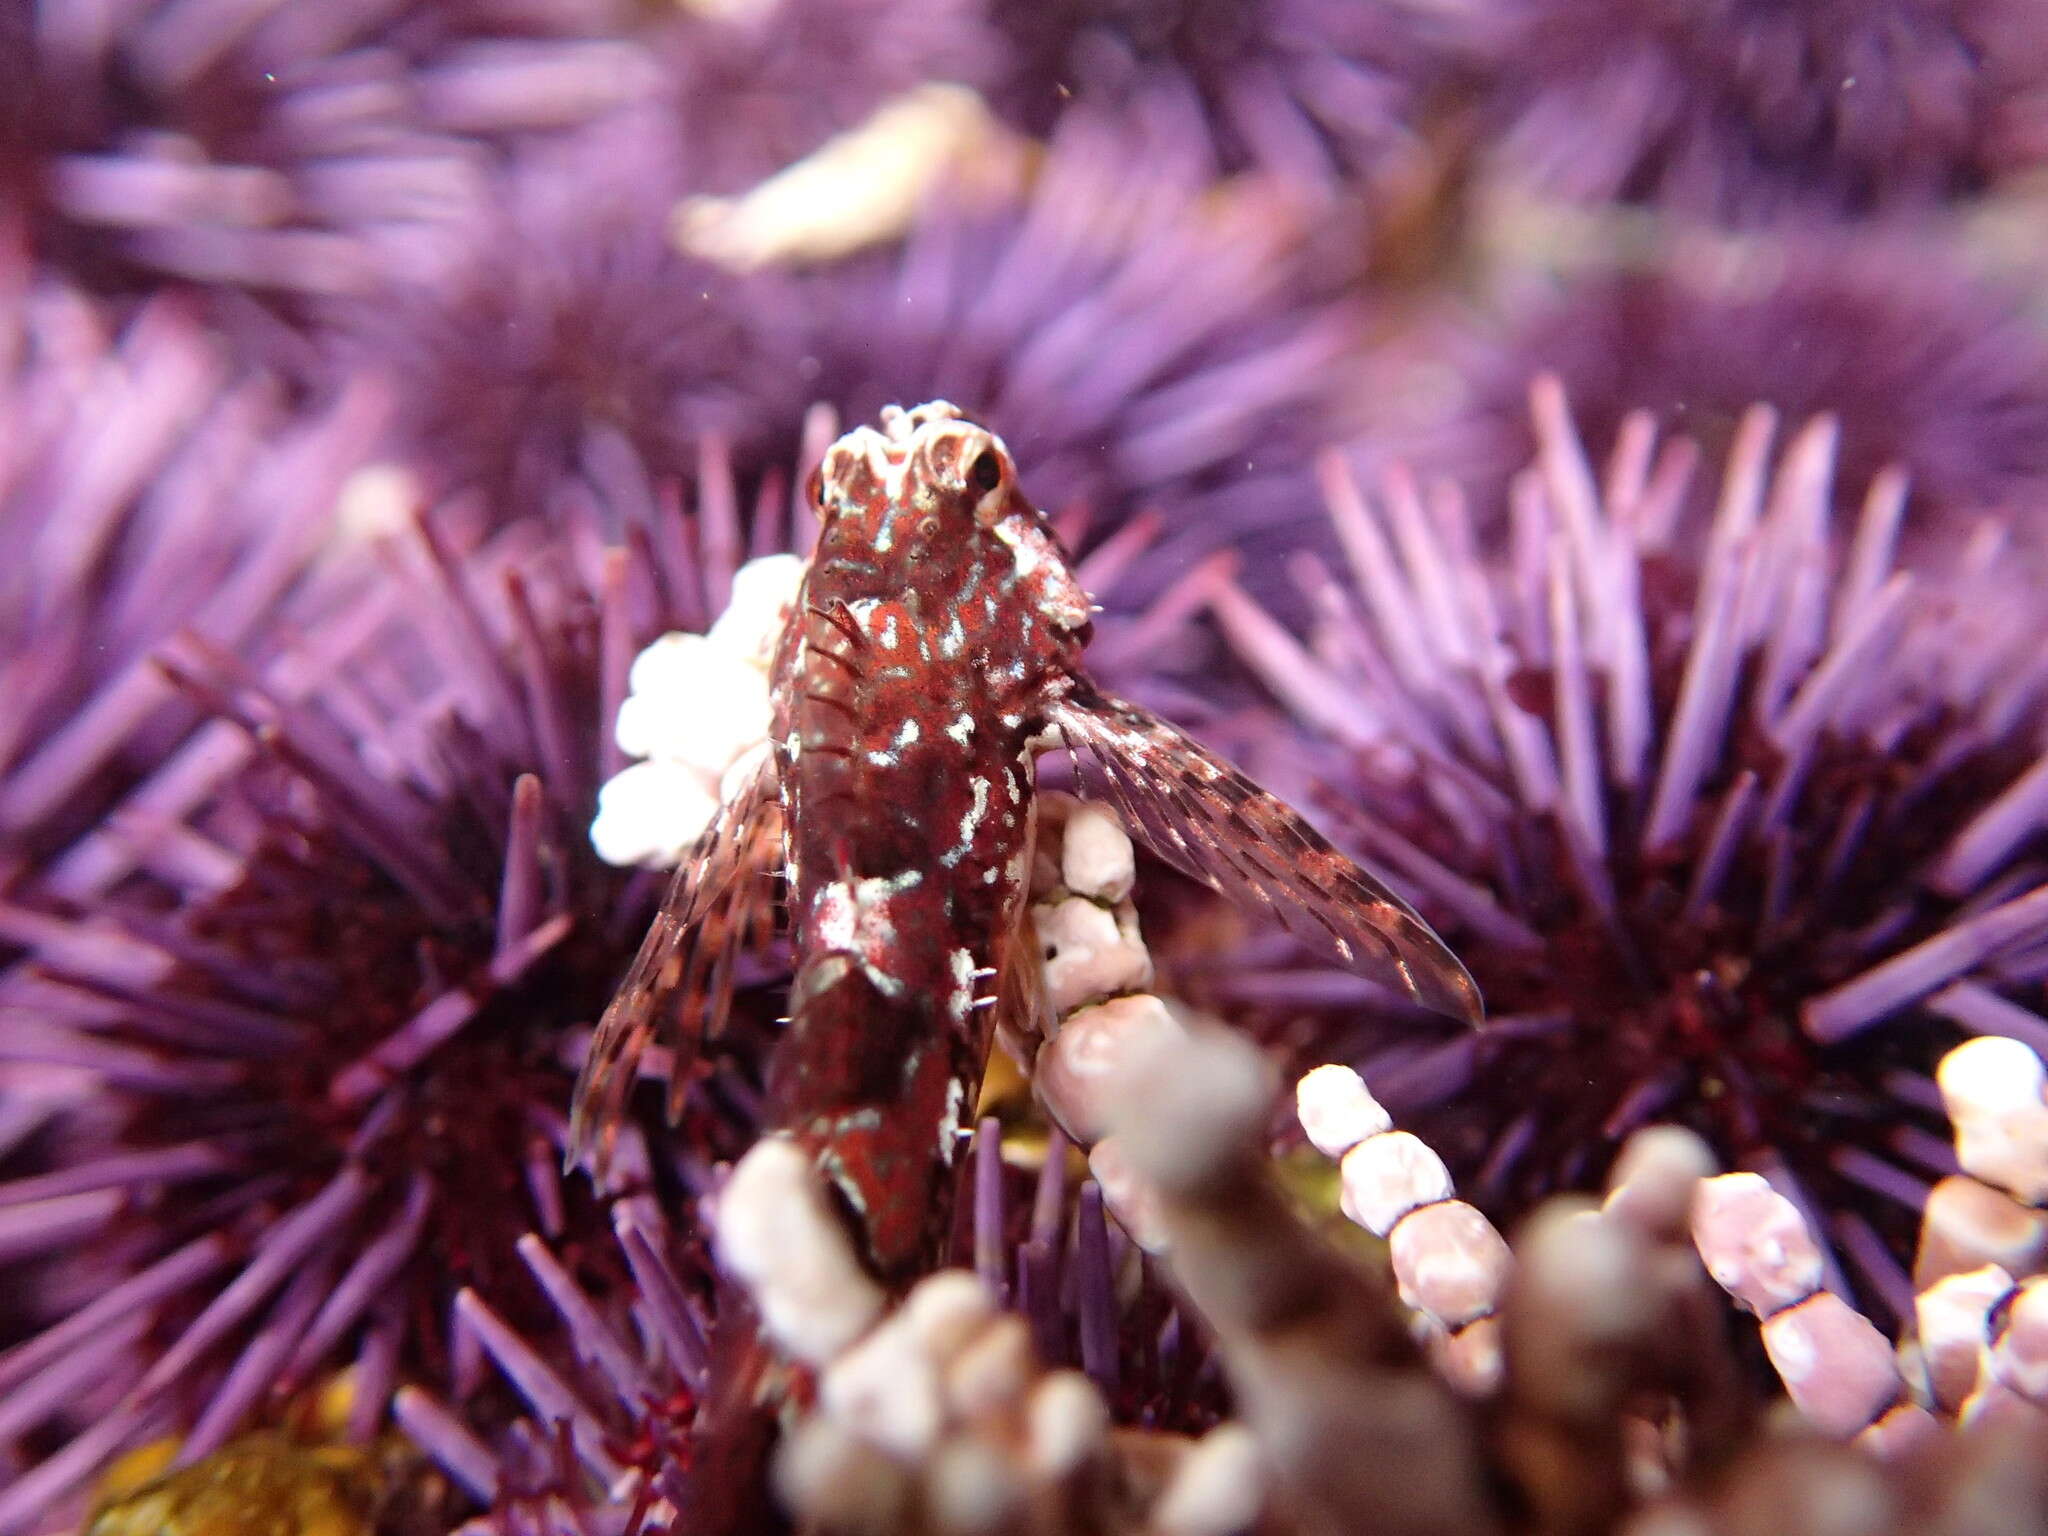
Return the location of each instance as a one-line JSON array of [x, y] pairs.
[[986, 471]]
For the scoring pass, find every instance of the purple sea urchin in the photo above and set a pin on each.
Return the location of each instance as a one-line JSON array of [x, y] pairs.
[[276, 147], [1306, 89], [756, 84], [147, 484], [1739, 109], [1177, 349], [1922, 367], [560, 343], [335, 1051], [1735, 831], [604, 1436], [1138, 336]]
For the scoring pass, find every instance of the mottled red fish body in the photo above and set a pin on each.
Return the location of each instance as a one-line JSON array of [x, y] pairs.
[[937, 622], [937, 639]]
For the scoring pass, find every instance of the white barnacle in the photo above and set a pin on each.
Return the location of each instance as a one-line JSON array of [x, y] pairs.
[[1096, 858], [861, 188], [696, 708], [650, 813], [704, 724], [763, 592]]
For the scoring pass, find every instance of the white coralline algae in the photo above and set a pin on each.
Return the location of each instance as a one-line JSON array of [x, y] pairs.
[[696, 705]]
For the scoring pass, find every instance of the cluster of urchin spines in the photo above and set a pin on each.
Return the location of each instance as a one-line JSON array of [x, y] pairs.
[[1930, 366], [369, 1022], [1647, 777], [284, 153], [365, 1165]]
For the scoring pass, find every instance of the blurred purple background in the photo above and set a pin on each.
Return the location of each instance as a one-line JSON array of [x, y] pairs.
[[377, 375]]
